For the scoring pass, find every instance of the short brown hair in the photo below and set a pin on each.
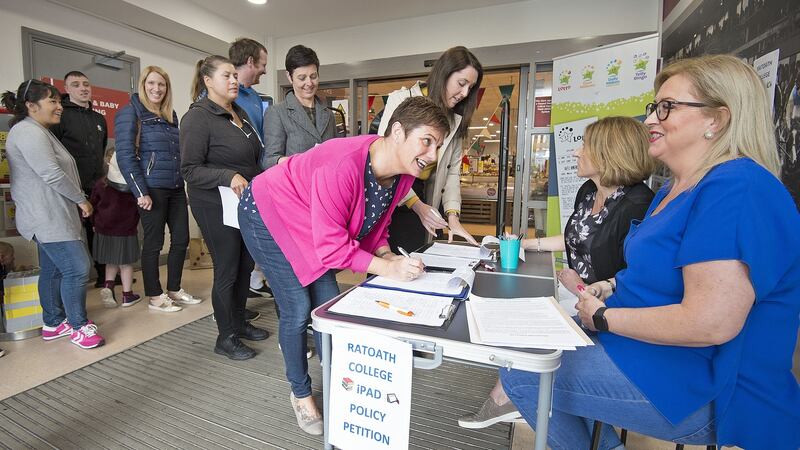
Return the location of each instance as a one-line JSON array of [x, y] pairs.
[[415, 112], [617, 147], [243, 48]]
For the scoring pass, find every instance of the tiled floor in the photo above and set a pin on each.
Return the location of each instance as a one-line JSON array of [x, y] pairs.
[[31, 362]]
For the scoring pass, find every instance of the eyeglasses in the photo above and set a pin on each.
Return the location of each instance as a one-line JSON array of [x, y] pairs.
[[663, 107]]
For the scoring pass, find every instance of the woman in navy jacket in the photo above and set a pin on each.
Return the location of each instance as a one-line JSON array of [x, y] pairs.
[[149, 158]]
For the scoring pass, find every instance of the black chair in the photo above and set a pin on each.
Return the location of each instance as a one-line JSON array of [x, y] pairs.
[[623, 436]]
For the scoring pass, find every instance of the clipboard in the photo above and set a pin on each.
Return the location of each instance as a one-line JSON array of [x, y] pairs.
[[463, 295], [452, 308]]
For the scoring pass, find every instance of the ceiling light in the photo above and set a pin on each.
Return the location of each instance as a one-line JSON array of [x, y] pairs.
[[476, 128], [492, 140], [485, 118], [258, 2]]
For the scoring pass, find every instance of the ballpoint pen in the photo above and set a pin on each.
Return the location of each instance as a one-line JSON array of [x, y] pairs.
[[387, 305], [403, 252]]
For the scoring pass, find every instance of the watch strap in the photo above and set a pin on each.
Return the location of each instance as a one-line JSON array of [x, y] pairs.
[[599, 319]]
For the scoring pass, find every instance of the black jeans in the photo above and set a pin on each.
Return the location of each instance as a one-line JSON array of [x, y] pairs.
[[169, 208], [232, 267]]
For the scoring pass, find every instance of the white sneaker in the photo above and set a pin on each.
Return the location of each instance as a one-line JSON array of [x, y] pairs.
[[107, 297], [163, 303], [184, 298], [309, 353]]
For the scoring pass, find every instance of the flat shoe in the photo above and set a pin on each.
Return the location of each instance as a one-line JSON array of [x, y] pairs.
[[489, 414], [311, 425]]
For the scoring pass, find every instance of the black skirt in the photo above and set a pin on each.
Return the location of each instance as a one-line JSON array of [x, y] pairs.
[[117, 250]]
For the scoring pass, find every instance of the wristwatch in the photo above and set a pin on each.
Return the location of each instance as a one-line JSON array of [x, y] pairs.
[[599, 319]]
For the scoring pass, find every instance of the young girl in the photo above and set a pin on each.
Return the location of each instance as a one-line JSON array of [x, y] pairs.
[[116, 242]]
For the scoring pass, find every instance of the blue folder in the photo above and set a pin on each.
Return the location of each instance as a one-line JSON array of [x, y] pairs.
[[461, 296]]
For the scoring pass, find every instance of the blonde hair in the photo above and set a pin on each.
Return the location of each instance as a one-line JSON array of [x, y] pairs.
[[617, 147], [726, 81], [165, 109]]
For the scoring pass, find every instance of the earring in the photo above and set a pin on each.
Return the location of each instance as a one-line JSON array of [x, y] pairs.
[[708, 135]]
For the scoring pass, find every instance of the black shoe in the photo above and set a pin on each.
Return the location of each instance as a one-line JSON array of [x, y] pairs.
[[233, 348], [252, 333], [263, 291], [251, 315]]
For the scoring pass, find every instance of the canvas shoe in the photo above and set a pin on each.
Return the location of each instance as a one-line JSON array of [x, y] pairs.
[[107, 297], [308, 423], [489, 414], [164, 304], [50, 333], [184, 298], [86, 336], [264, 291], [130, 299]]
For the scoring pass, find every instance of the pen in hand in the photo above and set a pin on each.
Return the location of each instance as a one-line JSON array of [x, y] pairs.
[[387, 305]]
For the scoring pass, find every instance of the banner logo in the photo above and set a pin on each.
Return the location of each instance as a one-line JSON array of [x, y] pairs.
[[563, 79], [588, 75], [612, 70], [640, 61], [567, 134]]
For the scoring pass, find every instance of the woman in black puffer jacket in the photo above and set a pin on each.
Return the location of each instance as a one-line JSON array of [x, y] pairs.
[[149, 158]]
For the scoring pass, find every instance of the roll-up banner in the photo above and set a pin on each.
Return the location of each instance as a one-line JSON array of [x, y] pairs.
[[615, 80]]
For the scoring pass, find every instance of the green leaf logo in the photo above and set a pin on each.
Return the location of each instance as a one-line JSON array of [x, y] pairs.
[[565, 76]]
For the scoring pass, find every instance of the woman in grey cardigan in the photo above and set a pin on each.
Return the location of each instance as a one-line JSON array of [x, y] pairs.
[[49, 204], [302, 121]]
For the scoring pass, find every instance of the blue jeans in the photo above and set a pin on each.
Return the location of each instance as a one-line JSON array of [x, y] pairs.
[[65, 268], [589, 386], [294, 301]]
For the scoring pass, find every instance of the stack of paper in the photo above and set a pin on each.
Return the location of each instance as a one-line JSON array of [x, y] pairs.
[[458, 251], [364, 302], [523, 322], [447, 262]]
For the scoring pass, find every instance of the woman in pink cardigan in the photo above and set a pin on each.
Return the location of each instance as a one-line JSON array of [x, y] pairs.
[[329, 209]]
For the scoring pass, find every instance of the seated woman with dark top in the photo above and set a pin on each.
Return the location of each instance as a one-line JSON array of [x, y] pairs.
[[614, 157]]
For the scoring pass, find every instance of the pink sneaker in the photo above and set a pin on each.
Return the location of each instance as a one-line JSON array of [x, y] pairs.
[[50, 333], [87, 337]]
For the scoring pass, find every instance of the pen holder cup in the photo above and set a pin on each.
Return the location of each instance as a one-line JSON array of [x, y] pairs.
[[509, 253]]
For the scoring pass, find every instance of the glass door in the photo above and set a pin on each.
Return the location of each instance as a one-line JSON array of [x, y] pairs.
[[530, 218], [480, 147], [336, 96]]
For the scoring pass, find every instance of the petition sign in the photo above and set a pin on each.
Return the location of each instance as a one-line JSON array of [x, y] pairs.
[[370, 398]]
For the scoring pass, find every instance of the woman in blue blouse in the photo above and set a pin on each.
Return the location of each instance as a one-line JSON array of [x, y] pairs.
[[696, 336]]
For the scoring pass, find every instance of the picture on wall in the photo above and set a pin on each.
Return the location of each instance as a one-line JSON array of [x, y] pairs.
[[748, 29]]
